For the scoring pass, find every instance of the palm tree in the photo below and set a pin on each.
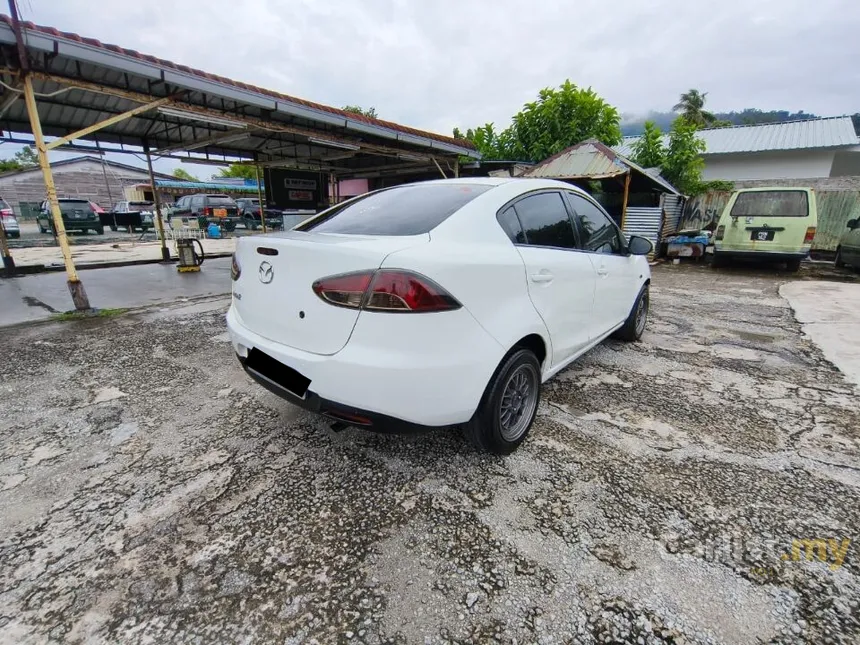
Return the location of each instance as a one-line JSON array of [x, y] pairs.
[[691, 106]]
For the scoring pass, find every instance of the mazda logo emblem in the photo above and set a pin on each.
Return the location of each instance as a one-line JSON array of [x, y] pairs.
[[267, 273]]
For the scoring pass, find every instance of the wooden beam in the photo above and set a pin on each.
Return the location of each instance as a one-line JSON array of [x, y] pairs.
[[109, 121], [624, 203]]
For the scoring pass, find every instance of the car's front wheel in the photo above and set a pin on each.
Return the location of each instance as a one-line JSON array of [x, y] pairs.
[[509, 405], [839, 262]]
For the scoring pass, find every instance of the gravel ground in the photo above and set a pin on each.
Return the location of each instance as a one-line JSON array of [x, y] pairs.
[[149, 492]]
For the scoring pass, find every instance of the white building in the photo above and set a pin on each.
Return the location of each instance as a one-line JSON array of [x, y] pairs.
[[817, 149]]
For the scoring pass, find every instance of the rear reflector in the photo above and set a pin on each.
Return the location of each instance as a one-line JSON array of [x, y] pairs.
[[389, 290], [721, 230], [810, 235]]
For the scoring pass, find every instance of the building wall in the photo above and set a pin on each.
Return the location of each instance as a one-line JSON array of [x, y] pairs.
[[784, 164], [85, 180]]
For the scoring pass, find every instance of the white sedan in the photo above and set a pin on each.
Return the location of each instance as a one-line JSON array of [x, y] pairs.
[[442, 303]]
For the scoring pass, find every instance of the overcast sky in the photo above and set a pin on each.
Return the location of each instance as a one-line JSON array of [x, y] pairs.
[[444, 63]]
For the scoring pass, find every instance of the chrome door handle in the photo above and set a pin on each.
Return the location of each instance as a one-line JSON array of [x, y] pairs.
[[542, 277], [602, 271]]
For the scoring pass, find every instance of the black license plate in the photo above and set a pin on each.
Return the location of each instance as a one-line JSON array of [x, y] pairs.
[[762, 236], [277, 372]]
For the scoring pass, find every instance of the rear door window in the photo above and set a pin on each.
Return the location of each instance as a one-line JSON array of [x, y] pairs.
[[511, 225], [545, 221], [771, 203], [404, 210], [220, 200]]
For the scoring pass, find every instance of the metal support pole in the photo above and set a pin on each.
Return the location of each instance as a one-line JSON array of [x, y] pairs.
[[624, 203], [159, 222], [441, 172], [260, 197], [8, 262], [76, 287], [457, 167]]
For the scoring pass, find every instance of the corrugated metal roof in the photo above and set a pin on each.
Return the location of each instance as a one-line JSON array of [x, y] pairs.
[[584, 160], [830, 132], [206, 186], [592, 160]]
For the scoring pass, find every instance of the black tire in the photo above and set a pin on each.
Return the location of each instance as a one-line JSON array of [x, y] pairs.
[[634, 326], [513, 390], [718, 261], [839, 262], [793, 265], [113, 227], [100, 230]]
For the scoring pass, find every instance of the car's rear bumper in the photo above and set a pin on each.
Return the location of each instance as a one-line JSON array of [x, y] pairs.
[[429, 378]]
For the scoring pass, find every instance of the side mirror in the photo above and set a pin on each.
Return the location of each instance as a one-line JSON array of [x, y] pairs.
[[639, 245], [853, 223]]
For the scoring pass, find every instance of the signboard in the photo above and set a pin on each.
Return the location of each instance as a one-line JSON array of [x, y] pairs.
[[296, 189]]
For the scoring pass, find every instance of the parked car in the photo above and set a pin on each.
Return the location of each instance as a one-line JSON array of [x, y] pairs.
[[776, 224], [249, 213], [442, 303], [139, 215], [78, 215], [10, 222], [848, 251], [220, 209]]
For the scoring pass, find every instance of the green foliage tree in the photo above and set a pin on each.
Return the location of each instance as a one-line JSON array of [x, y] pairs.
[[683, 165], [241, 170], [558, 119], [181, 173], [648, 150], [692, 108], [26, 157], [357, 109]]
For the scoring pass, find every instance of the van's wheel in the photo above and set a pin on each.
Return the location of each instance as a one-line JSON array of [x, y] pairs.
[[634, 326], [793, 265], [509, 405], [717, 261], [839, 262]]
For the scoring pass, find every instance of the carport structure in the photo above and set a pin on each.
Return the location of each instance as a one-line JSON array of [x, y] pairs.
[[79, 89]]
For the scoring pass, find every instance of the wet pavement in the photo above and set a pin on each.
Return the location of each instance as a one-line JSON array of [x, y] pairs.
[[150, 492], [38, 297]]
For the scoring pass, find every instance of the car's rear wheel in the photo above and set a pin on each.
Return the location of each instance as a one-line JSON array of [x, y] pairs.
[[839, 262], [793, 265], [634, 326], [509, 405]]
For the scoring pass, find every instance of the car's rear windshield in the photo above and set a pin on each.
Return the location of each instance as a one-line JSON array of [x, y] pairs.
[[771, 203], [219, 199], [139, 206], [70, 206], [404, 210]]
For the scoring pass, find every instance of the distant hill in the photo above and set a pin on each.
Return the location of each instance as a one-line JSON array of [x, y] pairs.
[[750, 116]]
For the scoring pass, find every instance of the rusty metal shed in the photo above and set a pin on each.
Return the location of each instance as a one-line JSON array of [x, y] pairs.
[[641, 202]]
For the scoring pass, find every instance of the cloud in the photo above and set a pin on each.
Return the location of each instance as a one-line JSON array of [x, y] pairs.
[[436, 65]]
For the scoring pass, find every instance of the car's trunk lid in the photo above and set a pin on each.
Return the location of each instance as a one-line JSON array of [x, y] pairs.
[[273, 295]]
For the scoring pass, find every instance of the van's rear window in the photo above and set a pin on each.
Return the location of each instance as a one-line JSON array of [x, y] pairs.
[[405, 210], [771, 203]]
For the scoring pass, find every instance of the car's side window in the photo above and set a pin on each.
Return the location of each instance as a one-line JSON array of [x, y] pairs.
[[596, 229], [545, 222], [511, 225]]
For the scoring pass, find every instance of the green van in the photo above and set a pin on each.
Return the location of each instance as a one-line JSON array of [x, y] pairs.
[[767, 223]]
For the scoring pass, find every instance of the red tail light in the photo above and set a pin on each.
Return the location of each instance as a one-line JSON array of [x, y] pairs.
[[721, 230], [390, 290], [207, 211], [810, 234]]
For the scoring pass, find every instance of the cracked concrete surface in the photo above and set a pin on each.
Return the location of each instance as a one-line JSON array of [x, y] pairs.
[[149, 492]]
